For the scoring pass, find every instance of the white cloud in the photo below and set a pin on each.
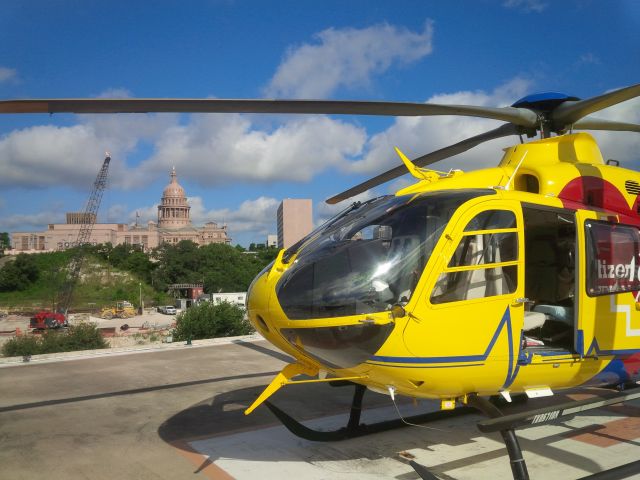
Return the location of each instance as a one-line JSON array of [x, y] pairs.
[[256, 216], [30, 222], [214, 149], [347, 58], [400, 183], [526, 6], [116, 213], [210, 149], [48, 155], [588, 59], [72, 155], [115, 93], [416, 136], [144, 215], [8, 74]]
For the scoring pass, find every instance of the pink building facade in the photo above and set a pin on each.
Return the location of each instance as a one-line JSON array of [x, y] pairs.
[[173, 225]]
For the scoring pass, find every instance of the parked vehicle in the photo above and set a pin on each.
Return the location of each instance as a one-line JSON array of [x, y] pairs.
[[122, 309], [44, 320]]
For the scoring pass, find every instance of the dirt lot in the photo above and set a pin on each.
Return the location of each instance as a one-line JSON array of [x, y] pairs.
[[150, 327]]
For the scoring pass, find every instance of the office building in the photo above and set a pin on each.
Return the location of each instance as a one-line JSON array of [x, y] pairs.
[[295, 220]]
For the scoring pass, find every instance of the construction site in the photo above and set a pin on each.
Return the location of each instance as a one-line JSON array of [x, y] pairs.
[[59, 316], [148, 328]]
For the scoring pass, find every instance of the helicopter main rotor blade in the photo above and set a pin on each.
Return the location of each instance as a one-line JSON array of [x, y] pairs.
[[433, 157], [600, 124], [571, 111], [517, 116]]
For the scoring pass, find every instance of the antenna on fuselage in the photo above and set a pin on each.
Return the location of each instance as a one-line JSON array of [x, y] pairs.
[[515, 170]]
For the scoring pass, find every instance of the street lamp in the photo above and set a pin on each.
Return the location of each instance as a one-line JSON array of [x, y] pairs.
[[141, 309]]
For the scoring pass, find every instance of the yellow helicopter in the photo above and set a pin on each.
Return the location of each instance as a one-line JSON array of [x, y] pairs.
[[518, 279]]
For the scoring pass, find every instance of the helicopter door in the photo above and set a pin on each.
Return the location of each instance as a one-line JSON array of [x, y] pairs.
[[609, 322], [473, 316], [550, 278]]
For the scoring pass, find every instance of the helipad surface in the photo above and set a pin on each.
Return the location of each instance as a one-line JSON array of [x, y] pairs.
[[177, 413], [452, 448]]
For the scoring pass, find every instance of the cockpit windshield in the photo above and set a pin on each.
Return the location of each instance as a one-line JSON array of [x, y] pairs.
[[368, 258]]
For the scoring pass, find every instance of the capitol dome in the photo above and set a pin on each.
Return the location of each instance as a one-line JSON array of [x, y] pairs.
[[173, 211], [174, 189]]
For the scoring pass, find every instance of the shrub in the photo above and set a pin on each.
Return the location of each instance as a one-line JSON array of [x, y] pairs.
[[21, 346], [52, 341], [209, 320], [84, 336]]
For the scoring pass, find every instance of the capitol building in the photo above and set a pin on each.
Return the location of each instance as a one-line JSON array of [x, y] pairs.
[[173, 225]]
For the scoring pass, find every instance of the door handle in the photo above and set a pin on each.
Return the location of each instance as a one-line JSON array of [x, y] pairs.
[[520, 301]]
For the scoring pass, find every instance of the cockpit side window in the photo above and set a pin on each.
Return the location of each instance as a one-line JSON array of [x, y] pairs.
[[492, 220], [484, 263]]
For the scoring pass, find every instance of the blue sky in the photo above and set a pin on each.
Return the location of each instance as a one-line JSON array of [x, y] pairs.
[[236, 169]]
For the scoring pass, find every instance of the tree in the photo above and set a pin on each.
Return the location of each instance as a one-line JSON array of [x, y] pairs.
[[267, 255], [10, 278], [178, 263], [19, 274], [226, 269], [221, 267], [125, 257], [5, 242]]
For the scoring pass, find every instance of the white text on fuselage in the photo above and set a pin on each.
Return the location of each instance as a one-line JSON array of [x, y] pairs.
[[618, 271]]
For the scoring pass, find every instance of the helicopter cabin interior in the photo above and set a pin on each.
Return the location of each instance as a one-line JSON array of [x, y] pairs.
[[550, 278]]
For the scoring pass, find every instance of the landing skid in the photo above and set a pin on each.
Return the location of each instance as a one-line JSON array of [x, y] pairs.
[[354, 428]]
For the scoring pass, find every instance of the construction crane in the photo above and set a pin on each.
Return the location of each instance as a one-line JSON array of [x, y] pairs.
[[46, 319]]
